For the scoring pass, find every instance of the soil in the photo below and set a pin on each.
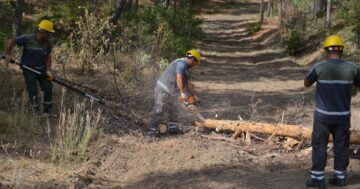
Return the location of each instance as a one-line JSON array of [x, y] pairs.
[[241, 75]]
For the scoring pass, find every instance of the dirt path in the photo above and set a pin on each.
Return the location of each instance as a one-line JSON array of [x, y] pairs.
[[241, 75]]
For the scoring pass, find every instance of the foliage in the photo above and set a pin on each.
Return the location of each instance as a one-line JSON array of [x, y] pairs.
[[89, 40], [16, 118], [253, 28], [176, 32], [301, 4], [6, 12], [293, 42], [73, 132], [21, 122]]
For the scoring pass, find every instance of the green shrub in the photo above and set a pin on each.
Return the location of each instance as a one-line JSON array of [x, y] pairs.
[[6, 14], [253, 28], [293, 42], [175, 32]]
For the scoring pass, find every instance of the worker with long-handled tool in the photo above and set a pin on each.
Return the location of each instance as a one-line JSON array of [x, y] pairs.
[[335, 78], [174, 80], [36, 55]]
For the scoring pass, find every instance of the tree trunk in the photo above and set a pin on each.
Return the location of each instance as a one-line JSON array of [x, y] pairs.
[[136, 5], [280, 8], [94, 5], [167, 4], [293, 131], [328, 15], [118, 11], [315, 9], [270, 8], [175, 6], [358, 39], [129, 4], [18, 17], [261, 12]]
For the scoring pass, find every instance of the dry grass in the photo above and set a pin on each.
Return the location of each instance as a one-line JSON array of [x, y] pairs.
[[73, 132]]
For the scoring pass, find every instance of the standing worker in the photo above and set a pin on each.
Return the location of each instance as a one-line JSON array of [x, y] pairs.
[[36, 55], [334, 78], [174, 80]]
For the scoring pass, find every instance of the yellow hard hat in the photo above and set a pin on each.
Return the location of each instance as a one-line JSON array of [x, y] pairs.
[[46, 25], [195, 54], [333, 40]]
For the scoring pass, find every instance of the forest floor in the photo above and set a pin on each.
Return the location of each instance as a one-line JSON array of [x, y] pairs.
[[241, 75]]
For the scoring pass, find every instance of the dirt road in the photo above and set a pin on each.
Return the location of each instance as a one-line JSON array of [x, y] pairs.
[[241, 75]]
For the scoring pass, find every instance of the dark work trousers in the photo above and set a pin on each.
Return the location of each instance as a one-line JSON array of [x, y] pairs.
[[164, 104], [320, 138], [31, 80]]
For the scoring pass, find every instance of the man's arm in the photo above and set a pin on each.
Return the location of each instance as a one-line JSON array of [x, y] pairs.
[[180, 84], [9, 46], [310, 78], [307, 83], [191, 88], [48, 63]]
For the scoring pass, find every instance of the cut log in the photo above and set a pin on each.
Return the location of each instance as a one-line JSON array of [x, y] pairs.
[[294, 131]]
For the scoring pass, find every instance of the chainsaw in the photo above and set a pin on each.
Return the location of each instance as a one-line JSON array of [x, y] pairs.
[[189, 104]]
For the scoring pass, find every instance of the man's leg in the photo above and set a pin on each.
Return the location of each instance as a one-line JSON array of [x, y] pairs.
[[172, 110], [157, 113], [341, 135], [46, 87], [31, 86], [319, 141]]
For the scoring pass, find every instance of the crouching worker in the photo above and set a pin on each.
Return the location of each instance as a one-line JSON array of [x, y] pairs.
[[35, 55], [174, 82]]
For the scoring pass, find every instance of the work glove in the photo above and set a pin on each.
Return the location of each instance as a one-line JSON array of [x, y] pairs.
[[49, 75], [190, 100], [8, 58]]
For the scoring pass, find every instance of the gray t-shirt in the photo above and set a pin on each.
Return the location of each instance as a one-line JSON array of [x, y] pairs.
[[167, 79]]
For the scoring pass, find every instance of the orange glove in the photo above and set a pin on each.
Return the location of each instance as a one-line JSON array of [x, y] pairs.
[[189, 100]]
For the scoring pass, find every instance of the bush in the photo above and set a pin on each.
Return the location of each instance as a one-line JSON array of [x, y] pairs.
[[293, 42], [73, 132], [253, 28], [175, 32]]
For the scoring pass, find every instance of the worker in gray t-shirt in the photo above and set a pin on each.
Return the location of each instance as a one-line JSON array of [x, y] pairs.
[[174, 80]]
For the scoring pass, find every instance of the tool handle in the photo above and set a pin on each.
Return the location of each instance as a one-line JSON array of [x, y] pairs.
[[93, 98]]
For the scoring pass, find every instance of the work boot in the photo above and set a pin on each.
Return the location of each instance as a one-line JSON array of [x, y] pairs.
[[312, 183], [174, 128], [153, 132], [338, 182]]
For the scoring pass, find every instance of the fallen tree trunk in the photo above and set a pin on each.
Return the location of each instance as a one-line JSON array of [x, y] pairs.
[[294, 131]]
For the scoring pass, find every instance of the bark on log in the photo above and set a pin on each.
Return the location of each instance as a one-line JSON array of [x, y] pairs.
[[294, 131]]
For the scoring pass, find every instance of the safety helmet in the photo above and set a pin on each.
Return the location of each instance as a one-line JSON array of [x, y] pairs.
[[333, 41], [46, 25], [195, 54]]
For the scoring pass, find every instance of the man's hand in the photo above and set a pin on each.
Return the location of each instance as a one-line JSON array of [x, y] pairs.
[[8, 58], [49, 75], [190, 100], [184, 95]]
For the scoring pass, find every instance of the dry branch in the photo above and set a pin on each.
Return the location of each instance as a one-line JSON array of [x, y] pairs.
[[294, 131]]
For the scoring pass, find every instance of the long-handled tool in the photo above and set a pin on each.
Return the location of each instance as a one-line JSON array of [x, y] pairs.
[[93, 98]]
